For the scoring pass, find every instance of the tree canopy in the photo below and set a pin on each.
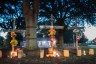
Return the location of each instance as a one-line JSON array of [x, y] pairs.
[[64, 12], [10, 10]]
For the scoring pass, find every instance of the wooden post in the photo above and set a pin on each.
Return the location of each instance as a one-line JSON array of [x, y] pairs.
[[76, 30], [51, 26], [76, 36], [14, 27], [12, 47]]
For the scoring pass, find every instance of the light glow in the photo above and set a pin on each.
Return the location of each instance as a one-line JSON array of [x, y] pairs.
[[13, 53], [53, 53]]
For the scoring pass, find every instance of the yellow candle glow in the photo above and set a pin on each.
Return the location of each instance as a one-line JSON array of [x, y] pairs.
[[91, 51], [66, 53]]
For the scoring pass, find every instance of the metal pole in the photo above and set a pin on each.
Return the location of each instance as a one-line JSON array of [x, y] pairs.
[[52, 20], [74, 40]]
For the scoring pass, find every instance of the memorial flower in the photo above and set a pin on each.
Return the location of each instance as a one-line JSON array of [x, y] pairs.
[[13, 34], [14, 42], [52, 38], [51, 31]]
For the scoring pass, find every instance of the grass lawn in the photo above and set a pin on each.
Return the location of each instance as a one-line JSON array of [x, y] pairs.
[[84, 59]]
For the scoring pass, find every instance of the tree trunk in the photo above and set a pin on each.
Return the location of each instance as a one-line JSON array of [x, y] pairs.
[[31, 22], [61, 32]]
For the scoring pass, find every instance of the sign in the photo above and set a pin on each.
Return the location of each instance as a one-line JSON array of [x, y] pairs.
[[48, 26], [43, 44]]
